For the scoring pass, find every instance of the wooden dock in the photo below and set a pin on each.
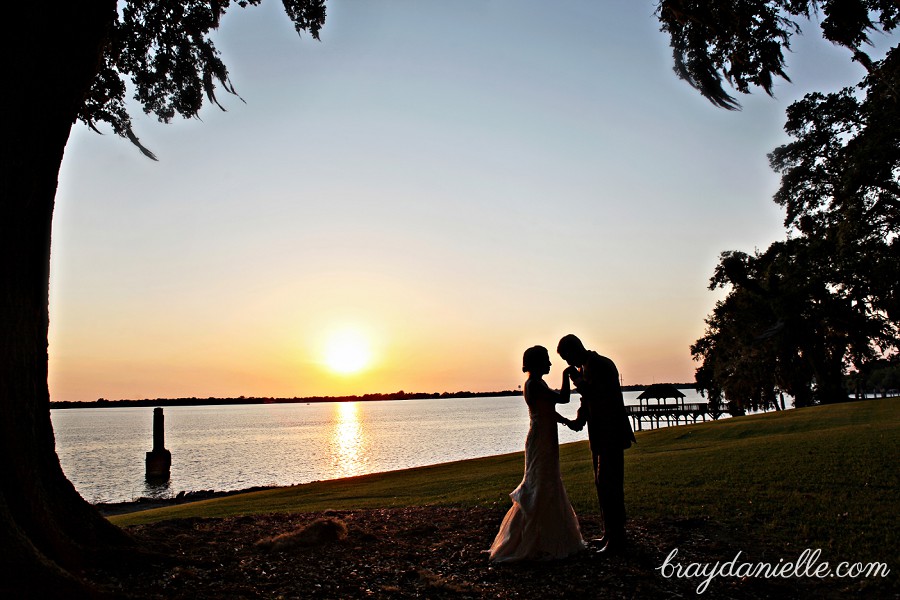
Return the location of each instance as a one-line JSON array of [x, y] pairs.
[[670, 414], [676, 412]]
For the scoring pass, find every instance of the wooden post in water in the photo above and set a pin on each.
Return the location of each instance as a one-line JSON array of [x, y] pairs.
[[159, 460]]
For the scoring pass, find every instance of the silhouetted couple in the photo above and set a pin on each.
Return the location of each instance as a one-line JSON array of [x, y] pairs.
[[542, 523]]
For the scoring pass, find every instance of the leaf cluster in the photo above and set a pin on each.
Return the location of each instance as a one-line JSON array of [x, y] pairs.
[[742, 42], [840, 185], [843, 165], [164, 49], [790, 322]]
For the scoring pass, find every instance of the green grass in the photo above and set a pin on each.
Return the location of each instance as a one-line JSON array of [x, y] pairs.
[[823, 477]]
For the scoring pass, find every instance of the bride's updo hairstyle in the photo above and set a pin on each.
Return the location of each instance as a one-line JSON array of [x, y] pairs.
[[533, 358]]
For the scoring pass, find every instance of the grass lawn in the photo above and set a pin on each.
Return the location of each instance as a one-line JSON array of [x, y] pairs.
[[823, 477]]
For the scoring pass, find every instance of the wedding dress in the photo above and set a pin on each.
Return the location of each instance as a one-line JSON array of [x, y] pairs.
[[541, 524]]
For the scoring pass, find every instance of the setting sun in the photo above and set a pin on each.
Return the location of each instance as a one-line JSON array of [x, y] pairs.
[[347, 352]]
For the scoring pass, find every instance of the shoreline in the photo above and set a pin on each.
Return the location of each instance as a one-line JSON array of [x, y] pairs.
[[108, 509], [243, 400]]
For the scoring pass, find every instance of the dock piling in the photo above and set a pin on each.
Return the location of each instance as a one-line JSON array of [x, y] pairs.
[[159, 460]]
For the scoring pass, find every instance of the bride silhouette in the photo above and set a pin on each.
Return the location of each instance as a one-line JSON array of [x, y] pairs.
[[541, 525]]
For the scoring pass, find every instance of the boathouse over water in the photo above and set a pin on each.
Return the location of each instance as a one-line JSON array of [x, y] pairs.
[[669, 407]]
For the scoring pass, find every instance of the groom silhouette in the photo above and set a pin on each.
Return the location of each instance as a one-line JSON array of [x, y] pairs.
[[603, 409]]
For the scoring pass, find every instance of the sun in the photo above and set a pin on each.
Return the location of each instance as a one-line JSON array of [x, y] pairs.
[[347, 352]]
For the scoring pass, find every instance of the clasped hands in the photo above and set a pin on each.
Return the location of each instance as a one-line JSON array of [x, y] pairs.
[[574, 425]]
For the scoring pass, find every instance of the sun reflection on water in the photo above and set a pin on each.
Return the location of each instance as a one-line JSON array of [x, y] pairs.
[[348, 441]]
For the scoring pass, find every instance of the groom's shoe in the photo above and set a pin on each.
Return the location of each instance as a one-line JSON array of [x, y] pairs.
[[613, 547], [598, 543]]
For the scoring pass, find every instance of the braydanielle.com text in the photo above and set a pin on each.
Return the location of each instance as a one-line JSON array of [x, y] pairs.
[[807, 565]]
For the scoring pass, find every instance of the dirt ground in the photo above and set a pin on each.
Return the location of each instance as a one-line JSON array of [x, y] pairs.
[[428, 552]]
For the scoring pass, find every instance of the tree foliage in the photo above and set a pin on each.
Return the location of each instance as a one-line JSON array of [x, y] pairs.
[[883, 377], [785, 325], [798, 315], [842, 167], [742, 42], [164, 48]]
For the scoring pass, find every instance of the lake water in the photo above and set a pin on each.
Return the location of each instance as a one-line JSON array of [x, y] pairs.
[[234, 447]]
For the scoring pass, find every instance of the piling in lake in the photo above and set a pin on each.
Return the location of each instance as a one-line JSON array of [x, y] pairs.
[[159, 460]]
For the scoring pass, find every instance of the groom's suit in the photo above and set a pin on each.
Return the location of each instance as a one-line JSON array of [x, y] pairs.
[[609, 431]]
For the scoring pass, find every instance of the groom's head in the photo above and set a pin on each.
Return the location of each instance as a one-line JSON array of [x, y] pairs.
[[571, 350]]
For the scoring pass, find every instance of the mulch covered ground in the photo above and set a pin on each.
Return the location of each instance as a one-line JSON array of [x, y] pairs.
[[428, 552]]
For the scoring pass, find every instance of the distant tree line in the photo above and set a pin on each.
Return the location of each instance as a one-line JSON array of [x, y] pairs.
[[880, 378], [211, 401], [825, 302]]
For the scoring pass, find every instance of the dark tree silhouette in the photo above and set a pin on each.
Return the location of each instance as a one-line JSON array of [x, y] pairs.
[[882, 377], [784, 326], [70, 63], [742, 42], [800, 314]]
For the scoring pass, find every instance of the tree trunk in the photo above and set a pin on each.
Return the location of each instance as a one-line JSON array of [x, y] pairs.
[[47, 531], [829, 372]]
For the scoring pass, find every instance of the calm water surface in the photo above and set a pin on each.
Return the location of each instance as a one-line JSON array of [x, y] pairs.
[[234, 447]]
